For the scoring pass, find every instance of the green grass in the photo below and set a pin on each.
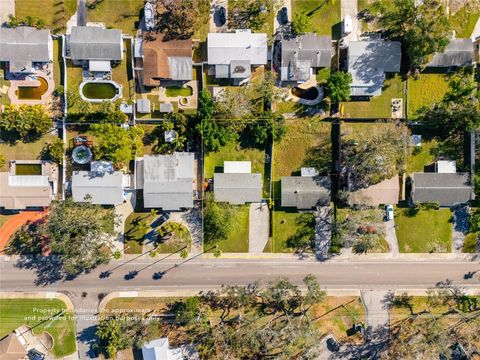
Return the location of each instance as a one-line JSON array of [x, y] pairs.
[[57, 62], [427, 231], [123, 75], [285, 107], [417, 163], [134, 235], [463, 21], [237, 240], [267, 26], [426, 90], [3, 219], [284, 226], [324, 15], [23, 151], [173, 91], [31, 312], [55, 13], [378, 106], [179, 238], [233, 152], [470, 244], [122, 14], [366, 4]]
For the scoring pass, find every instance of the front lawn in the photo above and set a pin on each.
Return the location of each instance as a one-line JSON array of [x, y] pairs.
[[123, 14], [428, 89], [173, 237], [267, 26], [137, 226], [237, 240], [39, 314], [23, 150], [324, 15], [425, 232], [173, 91], [234, 152], [55, 13], [378, 106]]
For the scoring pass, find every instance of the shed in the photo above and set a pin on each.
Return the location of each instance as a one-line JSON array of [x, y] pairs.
[[143, 106]]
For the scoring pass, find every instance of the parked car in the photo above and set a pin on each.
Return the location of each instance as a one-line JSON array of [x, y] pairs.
[[164, 217], [389, 212], [284, 15], [222, 15]]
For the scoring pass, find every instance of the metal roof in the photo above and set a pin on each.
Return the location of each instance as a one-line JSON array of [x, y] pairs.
[[368, 61], [23, 45], [445, 188], [223, 48], [143, 106], [305, 192], [459, 52], [95, 43], [237, 188], [104, 188], [302, 53], [22, 193]]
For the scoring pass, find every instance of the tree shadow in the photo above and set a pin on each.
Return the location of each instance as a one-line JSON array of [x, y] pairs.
[[88, 336], [47, 268]]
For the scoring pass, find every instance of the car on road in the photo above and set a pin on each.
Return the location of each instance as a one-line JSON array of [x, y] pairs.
[[388, 212], [283, 15]]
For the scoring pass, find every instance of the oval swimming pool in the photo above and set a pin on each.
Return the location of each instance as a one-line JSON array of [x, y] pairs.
[[99, 90]]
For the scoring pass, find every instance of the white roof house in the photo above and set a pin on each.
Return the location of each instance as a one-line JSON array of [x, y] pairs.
[[233, 54], [159, 350]]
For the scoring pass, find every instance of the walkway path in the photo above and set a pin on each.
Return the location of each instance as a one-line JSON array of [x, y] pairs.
[[15, 223], [350, 8], [258, 227], [460, 226], [323, 231], [391, 237], [7, 7], [192, 220]]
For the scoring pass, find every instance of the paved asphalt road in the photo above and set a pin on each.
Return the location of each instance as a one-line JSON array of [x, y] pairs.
[[212, 273]]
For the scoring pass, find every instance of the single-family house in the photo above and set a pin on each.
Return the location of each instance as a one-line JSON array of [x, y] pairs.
[[167, 180], [305, 192], [445, 186], [303, 55], [101, 185], [30, 186], [23, 47], [165, 60], [95, 46], [232, 55], [458, 53], [159, 349], [237, 185], [11, 348], [368, 62]]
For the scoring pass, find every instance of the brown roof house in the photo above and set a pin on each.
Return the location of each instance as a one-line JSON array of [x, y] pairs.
[[11, 348], [165, 60]]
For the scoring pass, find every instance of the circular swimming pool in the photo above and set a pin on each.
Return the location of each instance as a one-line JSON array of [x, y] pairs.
[[98, 91]]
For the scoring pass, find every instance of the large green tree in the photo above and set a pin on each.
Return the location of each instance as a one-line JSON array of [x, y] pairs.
[[424, 29], [181, 18], [216, 222], [338, 86], [116, 143], [25, 121], [301, 24]]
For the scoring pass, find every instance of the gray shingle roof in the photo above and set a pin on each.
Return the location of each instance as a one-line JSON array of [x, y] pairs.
[[237, 188], [95, 43], [23, 45], [168, 181], [302, 53], [447, 189], [368, 61], [104, 188], [305, 192], [459, 52]]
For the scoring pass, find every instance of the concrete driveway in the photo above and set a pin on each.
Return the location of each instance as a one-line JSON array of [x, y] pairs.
[[258, 227], [7, 7], [391, 237], [377, 314]]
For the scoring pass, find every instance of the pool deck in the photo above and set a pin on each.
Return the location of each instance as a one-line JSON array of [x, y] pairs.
[[47, 74]]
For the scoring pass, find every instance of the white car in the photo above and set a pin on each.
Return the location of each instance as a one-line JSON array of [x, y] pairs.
[[389, 212]]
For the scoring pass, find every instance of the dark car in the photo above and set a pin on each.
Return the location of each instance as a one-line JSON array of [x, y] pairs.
[[284, 15], [222, 15], [332, 344]]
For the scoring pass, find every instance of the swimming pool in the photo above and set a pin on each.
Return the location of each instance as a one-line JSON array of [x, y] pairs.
[[32, 92], [28, 169], [98, 91]]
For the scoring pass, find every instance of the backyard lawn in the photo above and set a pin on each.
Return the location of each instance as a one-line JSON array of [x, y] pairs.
[[32, 312], [285, 225], [324, 15], [378, 106], [22, 150], [234, 152], [464, 20], [55, 13], [122, 73], [124, 14], [427, 231], [417, 162], [237, 240], [426, 90]]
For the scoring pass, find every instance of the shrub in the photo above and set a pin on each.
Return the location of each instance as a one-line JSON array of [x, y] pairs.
[[417, 150], [470, 244], [432, 205]]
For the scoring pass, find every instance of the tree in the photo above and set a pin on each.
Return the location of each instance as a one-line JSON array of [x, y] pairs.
[[301, 24], [304, 237], [216, 222], [215, 134], [117, 144], [364, 244], [424, 29], [178, 124], [267, 128], [250, 14], [55, 150], [182, 18], [26, 121], [338, 86], [188, 311]]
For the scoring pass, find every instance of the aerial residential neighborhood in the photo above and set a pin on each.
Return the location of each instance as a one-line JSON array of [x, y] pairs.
[[239, 179]]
